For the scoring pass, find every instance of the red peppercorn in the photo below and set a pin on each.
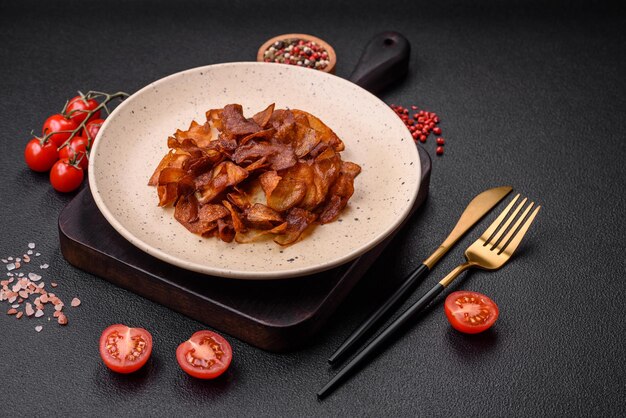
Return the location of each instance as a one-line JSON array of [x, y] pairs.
[[405, 111], [439, 150], [441, 141], [436, 119], [431, 125], [437, 130], [414, 107], [411, 122], [422, 138], [415, 135]]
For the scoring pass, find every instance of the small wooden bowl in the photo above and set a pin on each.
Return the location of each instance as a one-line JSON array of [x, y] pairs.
[[332, 57]]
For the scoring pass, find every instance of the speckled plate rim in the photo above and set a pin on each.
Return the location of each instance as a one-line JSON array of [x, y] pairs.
[[233, 273]]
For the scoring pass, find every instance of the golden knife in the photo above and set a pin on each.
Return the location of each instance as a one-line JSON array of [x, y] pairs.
[[475, 210]]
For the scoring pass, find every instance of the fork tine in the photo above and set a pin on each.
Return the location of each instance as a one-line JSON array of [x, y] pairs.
[[489, 233], [498, 237], [507, 238], [510, 247]]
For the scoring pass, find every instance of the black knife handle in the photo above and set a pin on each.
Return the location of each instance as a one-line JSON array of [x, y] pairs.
[[385, 60], [372, 347], [364, 329]]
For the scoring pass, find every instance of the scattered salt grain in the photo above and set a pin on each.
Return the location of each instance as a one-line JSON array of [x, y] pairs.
[[17, 305], [37, 254], [29, 309], [44, 266], [62, 320], [31, 245], [29, 252], [38, 328], [34, 277], [39, 313], [19, 315], [4, 260], [11, 266], [11, 311], [10, 258], [53, 284], [75, 302]]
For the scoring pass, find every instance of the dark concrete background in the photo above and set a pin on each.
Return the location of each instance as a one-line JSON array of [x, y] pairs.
[[531, 94]]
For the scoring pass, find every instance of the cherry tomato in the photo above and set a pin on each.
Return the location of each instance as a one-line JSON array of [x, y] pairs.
[[470, 312], [66, 177], [92, 128], [124, 349], [76, 150], [206, 355], [77, 109], [40, 157], [57, 123]]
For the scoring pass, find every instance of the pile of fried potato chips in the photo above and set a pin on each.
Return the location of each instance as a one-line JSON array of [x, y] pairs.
[[272, 175]]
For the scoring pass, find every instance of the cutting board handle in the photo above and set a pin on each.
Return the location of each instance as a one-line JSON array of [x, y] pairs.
[[384, 61]]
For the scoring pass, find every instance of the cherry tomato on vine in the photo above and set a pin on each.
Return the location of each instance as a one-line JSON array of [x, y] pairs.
[[206, 355], [77, 109], [124, 349], [92, 128], [76, 150], [56, 123], [40, 157], [66, 177], [470, 312]]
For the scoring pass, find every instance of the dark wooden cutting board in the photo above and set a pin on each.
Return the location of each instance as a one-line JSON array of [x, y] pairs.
[[275, 315]]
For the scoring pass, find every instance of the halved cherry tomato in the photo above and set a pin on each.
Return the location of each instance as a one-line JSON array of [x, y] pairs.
[[40, 157], [92, 128], [206, 355], [470, 312], [124, 349], [56, 123], [66, 177], [76, 149], [77, 109]]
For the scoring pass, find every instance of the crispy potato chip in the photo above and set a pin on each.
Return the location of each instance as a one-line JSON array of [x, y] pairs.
[[235, 123], [256, 234], [238, 224], [263, 118], [271, 176], [171, 159], [263, 217], [297, 221], [224, 175], [226, 232]]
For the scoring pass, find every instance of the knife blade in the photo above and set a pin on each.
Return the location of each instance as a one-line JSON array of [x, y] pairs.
[[474, 212]]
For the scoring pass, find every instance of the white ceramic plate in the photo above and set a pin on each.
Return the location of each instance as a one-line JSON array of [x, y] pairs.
[[133, 140]]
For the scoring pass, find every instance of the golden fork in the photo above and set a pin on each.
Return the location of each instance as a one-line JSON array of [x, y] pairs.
[[490, 252]]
